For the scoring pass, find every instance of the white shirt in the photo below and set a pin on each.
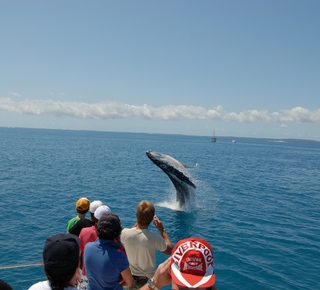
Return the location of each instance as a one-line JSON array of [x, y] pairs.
[[44, 285], [141, 246]]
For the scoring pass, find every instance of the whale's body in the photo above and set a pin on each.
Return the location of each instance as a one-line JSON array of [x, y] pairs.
[[177, 173]]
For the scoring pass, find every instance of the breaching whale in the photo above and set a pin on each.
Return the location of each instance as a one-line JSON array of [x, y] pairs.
[[177, 173]]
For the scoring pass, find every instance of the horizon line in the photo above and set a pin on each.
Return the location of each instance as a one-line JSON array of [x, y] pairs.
[[174, 134]]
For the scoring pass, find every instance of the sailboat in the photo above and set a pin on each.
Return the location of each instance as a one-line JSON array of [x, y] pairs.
[[213, 138]]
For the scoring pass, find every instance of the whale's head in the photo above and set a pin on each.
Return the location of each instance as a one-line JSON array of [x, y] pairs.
[[171, 166]]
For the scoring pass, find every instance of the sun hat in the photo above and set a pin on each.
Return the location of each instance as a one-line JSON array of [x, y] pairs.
[[94, 205], [82, 204], [61, 256], [192, 263], [101, 210], [110, 221]]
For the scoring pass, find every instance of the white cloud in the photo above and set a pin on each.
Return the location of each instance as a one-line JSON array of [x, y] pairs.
[[114, 110], [15, 94], [299, 114]]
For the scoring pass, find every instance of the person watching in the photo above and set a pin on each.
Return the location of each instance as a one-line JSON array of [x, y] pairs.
[[141, 244], [189, 267], [60, 263]]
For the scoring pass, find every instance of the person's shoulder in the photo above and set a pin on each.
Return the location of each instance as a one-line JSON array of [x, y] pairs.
[[79, 225], [72, 222], [84, 222], [93, 244], [87, 230], [74, 219], [43, 285], [128, 230], [87, 223]]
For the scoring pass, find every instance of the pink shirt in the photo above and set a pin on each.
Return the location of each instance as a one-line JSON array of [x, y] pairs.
[[87, 235]]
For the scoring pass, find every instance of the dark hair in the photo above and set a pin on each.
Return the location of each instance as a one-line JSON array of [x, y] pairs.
[[145, 212], [93, 218], [105, 233], [4, 285], [62, 282]]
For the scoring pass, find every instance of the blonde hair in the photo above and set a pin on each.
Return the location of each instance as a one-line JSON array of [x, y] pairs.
[[145, 212]]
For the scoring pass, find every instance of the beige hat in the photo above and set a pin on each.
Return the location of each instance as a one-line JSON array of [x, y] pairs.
[[94, 205]]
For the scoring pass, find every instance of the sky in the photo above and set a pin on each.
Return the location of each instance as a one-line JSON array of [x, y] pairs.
[[246, 68]]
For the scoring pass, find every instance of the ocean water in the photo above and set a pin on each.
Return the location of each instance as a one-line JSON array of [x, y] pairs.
[[257, 201]]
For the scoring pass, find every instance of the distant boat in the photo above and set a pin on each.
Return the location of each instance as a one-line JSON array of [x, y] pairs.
[[234, 141], [213, 138]]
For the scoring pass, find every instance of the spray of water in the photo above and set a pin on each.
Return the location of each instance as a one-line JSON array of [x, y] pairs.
[[203, 198]]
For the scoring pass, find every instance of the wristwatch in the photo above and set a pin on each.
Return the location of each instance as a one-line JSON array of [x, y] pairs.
[[151, 284]]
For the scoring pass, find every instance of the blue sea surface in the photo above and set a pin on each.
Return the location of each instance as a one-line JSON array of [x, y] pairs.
[[257, 201]]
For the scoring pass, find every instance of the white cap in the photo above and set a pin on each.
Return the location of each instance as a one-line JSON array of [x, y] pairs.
[[94, 205], [101, 210]]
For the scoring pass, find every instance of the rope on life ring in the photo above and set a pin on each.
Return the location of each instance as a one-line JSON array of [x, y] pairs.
[[22, 265]]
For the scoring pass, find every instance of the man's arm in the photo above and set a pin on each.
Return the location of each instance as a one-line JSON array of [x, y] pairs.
[[158, 223]]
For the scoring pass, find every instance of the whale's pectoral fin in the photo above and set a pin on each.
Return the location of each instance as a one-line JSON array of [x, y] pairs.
[[188, 166]]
